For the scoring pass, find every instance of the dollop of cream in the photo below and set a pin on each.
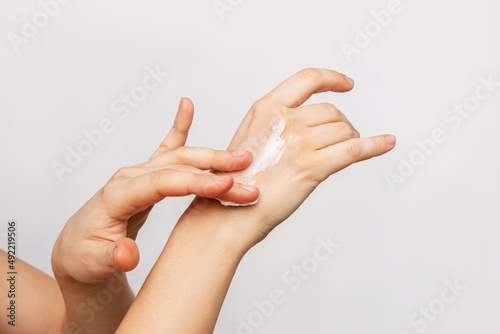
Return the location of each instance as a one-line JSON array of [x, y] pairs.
[[225, 203], [268, 156]]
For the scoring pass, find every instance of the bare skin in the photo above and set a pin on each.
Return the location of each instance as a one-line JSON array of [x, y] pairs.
[[186, 288], [38, 301], [97, 245]]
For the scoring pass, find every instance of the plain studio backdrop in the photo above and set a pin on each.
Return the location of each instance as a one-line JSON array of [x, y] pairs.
[[417, 229]]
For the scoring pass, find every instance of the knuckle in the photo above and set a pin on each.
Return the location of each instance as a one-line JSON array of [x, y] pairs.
[[157, 177], [107, 192], [331, 109], [378, 145], [296, 140], [209, 189], [354, 149], [224, 160], [230, 162], [180, 153], [217, 156], [311, 74], [266, 107], [346, 130], [123, 172], [290, 118], [260, 106], [312, 180], [183, 168], [162, 148]]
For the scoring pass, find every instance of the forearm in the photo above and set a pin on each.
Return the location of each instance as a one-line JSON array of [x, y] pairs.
[[187, 286], [39, 306], [94, 308]]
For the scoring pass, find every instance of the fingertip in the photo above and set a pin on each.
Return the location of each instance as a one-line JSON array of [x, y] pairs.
[[180, 103], [391, 140], [350, 81], [253, 193], [185, 114], [126, 255], [182, 107], [244, 159], [239, 153], [184, 101], [187, 104], [232, 161], [249, 188], [242, 194], [249, 156]]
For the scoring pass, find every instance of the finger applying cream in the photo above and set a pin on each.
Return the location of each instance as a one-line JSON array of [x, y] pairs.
[[268, 155]]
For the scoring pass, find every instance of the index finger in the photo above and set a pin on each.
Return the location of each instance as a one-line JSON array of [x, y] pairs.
[[297, 89], [177, 136]]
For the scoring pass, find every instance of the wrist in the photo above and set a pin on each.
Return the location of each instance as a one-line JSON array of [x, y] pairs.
[[237, 227]]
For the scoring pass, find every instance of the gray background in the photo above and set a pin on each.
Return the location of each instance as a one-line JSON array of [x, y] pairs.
[[398, 246]]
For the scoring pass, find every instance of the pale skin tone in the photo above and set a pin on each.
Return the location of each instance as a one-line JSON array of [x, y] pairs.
[[194, 271], [91, 255], [39, 303], [187, 286], [97, 245]]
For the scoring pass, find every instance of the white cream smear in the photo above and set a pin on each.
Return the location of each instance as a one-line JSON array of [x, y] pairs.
[[268, 156]]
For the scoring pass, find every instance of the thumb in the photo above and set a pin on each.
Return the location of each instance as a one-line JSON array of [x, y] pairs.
[[123, 255]]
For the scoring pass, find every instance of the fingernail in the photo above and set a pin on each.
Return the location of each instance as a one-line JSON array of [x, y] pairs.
[[238, 153], [349, 80], [391, 140], [359, 134], [248, 187], [222, 178]]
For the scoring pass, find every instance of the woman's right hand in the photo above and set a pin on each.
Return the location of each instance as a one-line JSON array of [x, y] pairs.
[[98, 241]]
